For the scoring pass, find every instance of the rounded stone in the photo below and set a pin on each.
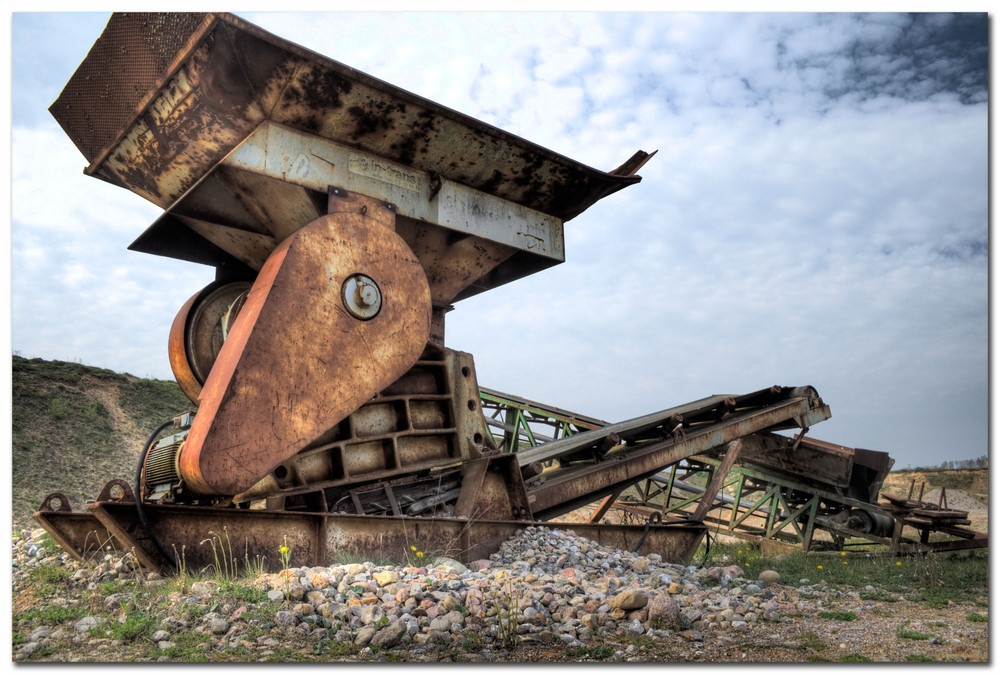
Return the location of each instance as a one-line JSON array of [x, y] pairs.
[[769, 576], [629, 600]]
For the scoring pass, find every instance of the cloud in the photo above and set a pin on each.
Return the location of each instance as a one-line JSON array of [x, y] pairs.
[[77, 293], [816, 213]]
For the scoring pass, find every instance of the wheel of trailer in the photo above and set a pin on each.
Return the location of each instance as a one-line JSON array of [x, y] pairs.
[[199, 330]]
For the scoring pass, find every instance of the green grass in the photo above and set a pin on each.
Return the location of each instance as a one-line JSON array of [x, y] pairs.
[[283, 654], [811, 641], [188, 647], [51, 615], [591, 652], [838, 615], [941, 577], [977, 618], [337, 648], [61, 425], [938, 597], [916, 657], [137, 625], [263, 613], [856, 657], [50, 579], [241, 592], [641, 640], [905, 633]]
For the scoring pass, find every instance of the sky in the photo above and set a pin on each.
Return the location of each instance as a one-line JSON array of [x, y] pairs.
[[816, 213]]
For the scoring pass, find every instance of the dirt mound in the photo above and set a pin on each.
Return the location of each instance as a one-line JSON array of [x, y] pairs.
[[954, 500], [972, 483], [75, 427]]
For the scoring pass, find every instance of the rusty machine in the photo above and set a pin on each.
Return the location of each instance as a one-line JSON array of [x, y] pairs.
[[344, 218], [773, 490]]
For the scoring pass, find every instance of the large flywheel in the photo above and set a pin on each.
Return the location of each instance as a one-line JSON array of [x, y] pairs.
[[199, 330]]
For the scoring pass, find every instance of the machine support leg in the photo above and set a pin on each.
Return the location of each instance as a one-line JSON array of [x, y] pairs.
[[897, 537], [720, 474], [603, 508], [807, 535]]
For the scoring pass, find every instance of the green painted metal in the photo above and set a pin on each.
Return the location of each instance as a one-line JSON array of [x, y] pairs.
[[520, 424], [523, 423]]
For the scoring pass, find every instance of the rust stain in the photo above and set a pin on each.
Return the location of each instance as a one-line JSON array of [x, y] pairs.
[[286, 322]]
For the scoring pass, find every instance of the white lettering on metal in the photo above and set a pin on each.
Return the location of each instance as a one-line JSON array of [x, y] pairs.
[[172, 96], [373, 168], [134, 142]]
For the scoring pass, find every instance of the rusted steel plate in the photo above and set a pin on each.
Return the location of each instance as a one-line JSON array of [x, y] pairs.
[[392, 537], [492, 488], [177, 351], [426, 420], [860, 471], [318, 539], [821, 462], [301, 356], [562, 489], [200, 537], [466, 240], [687, 418], [80, 534], [211, 79], [286, 164]]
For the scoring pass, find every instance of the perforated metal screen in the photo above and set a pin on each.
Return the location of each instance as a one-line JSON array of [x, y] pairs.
[[106, 89]]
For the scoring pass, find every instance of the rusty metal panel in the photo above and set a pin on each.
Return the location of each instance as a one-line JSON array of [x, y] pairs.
[[492, 488], [188, 533], [562, 489], [300, 356], [238, 134], [266, 189], [139, 48], [429, 418], [303, 159], [686, 419], [392, 537], [79, 534], [816, 460], [224, 76], [860, 472]]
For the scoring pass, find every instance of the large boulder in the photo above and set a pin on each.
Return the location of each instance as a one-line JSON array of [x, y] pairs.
[[664, 609]]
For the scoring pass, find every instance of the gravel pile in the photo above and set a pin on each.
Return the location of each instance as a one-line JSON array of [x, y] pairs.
[[956, 500], [541, 587]]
